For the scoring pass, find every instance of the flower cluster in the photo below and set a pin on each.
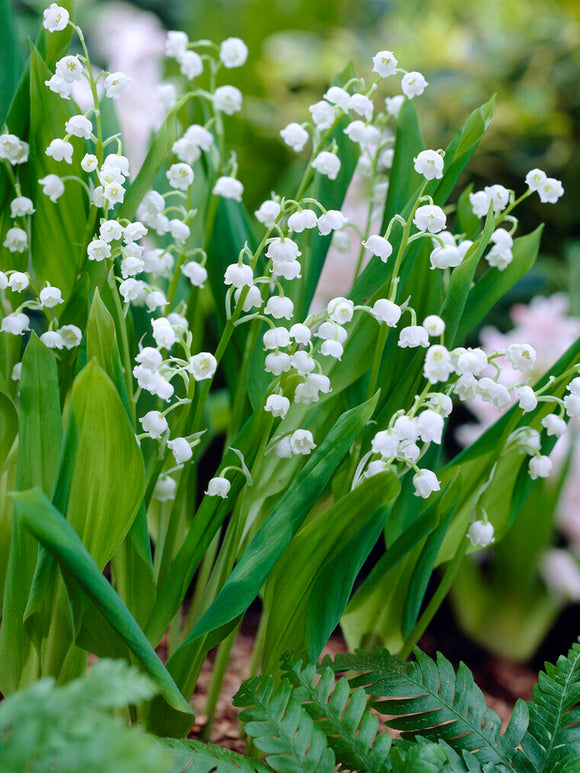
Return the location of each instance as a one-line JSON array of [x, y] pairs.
[[156, 261]]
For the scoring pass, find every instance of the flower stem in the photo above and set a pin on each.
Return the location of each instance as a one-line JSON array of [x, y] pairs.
[[217, 679]]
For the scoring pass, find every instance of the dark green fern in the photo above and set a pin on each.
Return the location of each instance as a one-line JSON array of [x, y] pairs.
[[552, 743], [350, 728], [429, 699], [281, 728], [303, 726], [198, 757]]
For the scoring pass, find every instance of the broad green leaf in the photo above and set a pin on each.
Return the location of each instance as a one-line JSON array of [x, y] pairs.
[[156, 157], [79, 568], [10, 59], [51, 47], [206, 521], [399, 549], [100, 486], [286, 517], [10, 354], [8, 422], [460, 283], [511, 484], [441, 512], [404, 181], [377, 616], [7, 483], [494, 284], [107, 476], [40, 430], [103, 347], [38, 452], [390, 598], [331, 593], [58, 229], [311, 550], [273, 536], [460, 150], [132, 565]]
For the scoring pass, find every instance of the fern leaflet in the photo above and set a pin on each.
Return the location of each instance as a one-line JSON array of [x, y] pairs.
[[552, 742], [281, 728], [434, 702], [349, 727], [198, 757]]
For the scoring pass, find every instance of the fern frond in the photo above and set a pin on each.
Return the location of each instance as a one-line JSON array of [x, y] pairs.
[[197, 757], [281, 728], [350, 728], [421, 756], [429, 699], [552, 742]]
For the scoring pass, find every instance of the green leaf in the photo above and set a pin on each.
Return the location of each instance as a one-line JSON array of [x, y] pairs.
[[58, 229], [106, 477], [404, 181], [391, 596], [103, 347], [38, 453], [460, 150], [156, 157], [441, 512], [428, 699], [252, 569], [8, 422], [494, 284], [460, 283], [132, 565], [10, 59], [207, 520], [40, 432], [331, 593], [7, 483], [100, 486], [281, 727], [311, 550], [79, 569], [552, 741], [287, 515], [198, 757], [350, 728]]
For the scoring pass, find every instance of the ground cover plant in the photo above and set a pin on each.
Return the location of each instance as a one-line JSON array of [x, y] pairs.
[[178, 418]]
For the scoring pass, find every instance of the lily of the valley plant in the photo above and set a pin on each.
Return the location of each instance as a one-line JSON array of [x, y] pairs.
[[175, 409]]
